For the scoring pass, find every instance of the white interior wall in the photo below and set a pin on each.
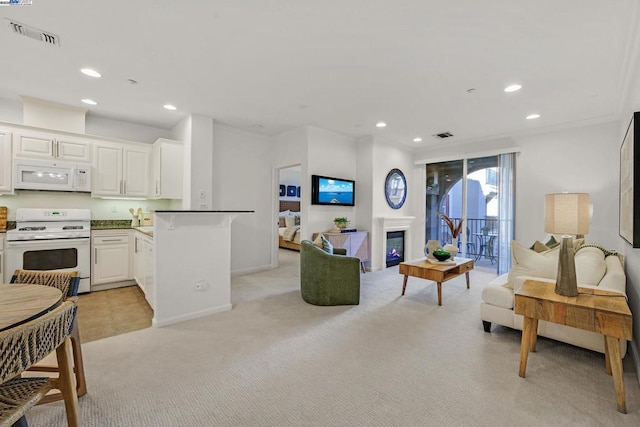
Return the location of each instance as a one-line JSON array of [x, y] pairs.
[[290, 176], [364, 187], [182, 132], [242, 176], [103, 126], [334, 155], [386, 157], [632, 264], [201, 161]]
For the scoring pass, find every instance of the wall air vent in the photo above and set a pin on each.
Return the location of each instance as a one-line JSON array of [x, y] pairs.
[[443, 135], [34, 33]]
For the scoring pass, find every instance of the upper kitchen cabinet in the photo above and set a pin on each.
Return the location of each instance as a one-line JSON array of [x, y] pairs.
[[5, 162], [121, 170], [40, 145], [166, 169]]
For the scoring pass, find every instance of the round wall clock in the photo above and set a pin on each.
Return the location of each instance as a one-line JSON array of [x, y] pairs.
[[395, 188]]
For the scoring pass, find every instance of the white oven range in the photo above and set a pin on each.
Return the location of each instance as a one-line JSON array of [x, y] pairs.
[[50, 239]]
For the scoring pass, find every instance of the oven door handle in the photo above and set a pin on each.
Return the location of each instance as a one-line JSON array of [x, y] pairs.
[[55, 244]]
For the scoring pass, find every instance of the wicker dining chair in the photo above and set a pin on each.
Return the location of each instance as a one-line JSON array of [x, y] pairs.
[[25, 345], [68, 283]]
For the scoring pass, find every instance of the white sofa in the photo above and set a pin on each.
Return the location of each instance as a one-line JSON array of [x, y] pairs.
[[593, 269]]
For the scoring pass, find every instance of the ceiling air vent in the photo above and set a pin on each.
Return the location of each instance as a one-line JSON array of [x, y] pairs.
[[443, 135], [34, 33]]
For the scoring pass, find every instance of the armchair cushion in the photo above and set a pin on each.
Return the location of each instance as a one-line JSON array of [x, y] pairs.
[[327, 279]]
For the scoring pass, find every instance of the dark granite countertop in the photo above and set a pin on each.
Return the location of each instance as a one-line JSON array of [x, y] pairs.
[[110, 224]]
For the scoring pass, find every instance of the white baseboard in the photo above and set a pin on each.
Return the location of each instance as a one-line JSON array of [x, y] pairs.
[[182, 318], [257, 269]]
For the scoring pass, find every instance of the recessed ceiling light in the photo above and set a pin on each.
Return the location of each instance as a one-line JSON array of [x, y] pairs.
[[512, 88], [169, 107], [89, 101], [381, 125], [533, 116], [418, 139], [90, 72]]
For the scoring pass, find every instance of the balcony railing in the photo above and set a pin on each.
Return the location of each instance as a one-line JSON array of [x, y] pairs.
[[481, 236]]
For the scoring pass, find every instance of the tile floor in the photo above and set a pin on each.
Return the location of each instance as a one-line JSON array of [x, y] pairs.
[[112, 312]]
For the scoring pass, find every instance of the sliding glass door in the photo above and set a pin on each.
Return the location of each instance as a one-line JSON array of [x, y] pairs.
[[480, 191]]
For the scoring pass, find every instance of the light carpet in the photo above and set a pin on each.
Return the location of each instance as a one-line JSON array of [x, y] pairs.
[[274, 360]]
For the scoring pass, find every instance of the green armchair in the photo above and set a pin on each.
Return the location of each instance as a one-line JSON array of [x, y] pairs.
[[327, 279]]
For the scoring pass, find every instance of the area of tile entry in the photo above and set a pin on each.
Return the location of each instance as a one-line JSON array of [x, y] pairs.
[[112, 312]]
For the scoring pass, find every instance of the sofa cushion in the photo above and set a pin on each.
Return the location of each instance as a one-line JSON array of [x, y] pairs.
[[590, 266], [500, 296], [527, 262]]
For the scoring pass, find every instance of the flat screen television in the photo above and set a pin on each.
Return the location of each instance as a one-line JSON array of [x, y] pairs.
[[332, 191]]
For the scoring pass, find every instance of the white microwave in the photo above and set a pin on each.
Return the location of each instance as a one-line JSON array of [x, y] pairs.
[[51, 175]]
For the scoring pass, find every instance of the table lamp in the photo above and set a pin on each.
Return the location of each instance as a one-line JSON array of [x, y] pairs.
[[566, 214]]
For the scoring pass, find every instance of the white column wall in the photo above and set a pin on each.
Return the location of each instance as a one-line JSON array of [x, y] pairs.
[[330, 154], [242, 180]]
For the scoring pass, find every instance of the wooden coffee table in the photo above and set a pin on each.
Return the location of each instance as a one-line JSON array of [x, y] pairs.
[[439, 273]]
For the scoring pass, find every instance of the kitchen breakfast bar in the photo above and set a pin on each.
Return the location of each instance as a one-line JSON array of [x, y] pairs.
[[192, 253]]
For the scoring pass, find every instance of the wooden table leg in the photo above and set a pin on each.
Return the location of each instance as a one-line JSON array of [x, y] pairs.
[[404, 283], [467, 275], [533, 339], [612, 346], [525, 345], [66, 380], [607, 356], [439, 293]]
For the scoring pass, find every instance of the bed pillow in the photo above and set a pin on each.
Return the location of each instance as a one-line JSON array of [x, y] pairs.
[[290, 221], [285, 213], [281, 222]]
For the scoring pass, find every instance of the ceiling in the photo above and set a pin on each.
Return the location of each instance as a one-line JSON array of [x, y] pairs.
[[343, 65]]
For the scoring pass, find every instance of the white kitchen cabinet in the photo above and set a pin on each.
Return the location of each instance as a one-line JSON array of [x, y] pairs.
[[166, 169], [143, 265], [43, 145], [111, 256], [121, 170], [6, 185]]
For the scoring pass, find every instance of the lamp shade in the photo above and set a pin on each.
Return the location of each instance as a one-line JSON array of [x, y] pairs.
[[566, 213]]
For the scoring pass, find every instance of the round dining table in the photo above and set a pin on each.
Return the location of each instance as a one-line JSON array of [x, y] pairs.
[[21, 303]]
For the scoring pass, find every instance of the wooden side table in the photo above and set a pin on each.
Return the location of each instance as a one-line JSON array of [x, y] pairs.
[[595, 310]]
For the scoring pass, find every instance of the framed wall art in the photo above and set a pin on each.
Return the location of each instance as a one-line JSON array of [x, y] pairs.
[[630, 184]]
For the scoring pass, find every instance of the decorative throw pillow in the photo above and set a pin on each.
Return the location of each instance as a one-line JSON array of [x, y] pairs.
[[318, 240], [281, 222], [297, 219], [538, 246], [590, 266], [552, 242], [527, 262], [326, 245]]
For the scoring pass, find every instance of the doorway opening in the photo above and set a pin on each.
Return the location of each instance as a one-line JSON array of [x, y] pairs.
[[288, 206]]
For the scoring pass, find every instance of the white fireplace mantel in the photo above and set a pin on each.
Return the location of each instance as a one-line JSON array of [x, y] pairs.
[[393, 223]]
